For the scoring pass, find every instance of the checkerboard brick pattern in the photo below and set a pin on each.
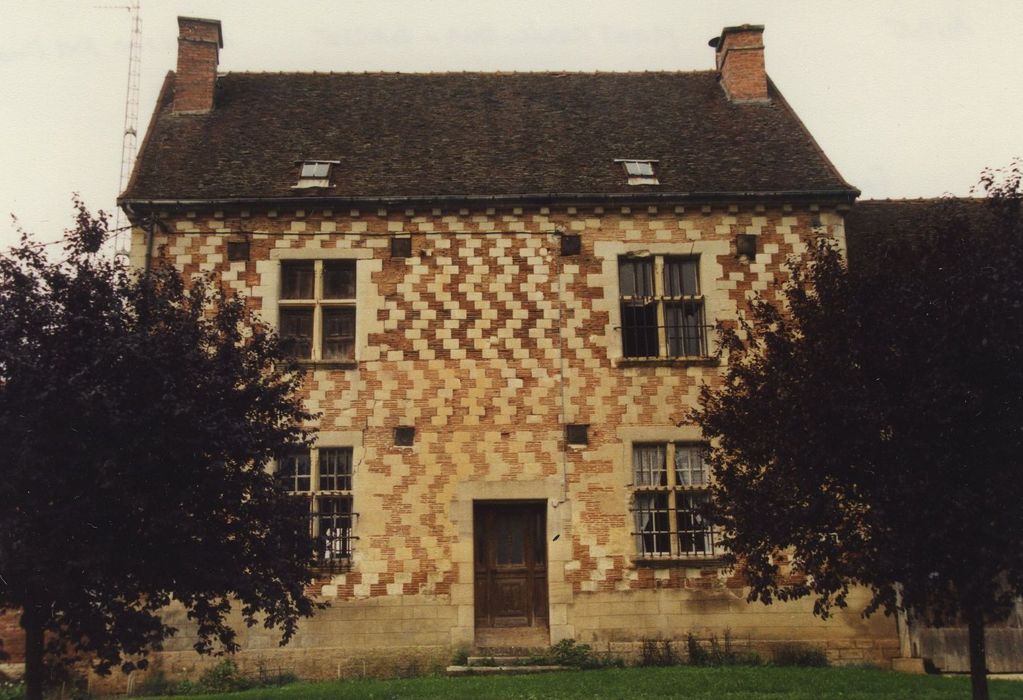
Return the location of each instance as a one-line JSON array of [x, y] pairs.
[[488, 341]]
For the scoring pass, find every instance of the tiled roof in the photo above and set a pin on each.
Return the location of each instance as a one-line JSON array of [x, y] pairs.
[[872, 221], [477, 134]]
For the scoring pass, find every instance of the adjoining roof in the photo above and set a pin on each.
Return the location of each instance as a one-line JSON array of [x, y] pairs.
[[870, 222], [477, 134]]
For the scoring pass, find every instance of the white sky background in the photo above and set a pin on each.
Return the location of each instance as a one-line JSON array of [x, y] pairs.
[[908, 99]]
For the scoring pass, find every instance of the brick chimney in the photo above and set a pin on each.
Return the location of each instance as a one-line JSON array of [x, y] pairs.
[[199, 44], [740, 62]]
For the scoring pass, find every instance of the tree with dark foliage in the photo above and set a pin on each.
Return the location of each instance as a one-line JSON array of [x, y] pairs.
[[872, 423], [137, 415]]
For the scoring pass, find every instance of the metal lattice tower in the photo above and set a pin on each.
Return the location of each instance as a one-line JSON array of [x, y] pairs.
[[129, 143]]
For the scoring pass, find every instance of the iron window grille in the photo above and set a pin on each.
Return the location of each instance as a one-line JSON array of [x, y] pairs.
[[668, 502], [317, 309], [662, 308], [323, 476]]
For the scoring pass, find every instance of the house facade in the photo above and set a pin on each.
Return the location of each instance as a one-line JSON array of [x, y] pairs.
[[504, 288]]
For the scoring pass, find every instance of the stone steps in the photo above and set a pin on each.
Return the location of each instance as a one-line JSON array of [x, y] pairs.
[[502, 661], [501, 670]]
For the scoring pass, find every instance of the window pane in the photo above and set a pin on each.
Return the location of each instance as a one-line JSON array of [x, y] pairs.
[[689, 469], [649, 465], [336, 469], [297, 279], [653, 535], [639, 329], [694, 533], [338, 333], [680, 277], [636, 277], [317, 170], [638, 168], [294, 471], [297, 332], [332, 527], [339, 279], [684, 329]]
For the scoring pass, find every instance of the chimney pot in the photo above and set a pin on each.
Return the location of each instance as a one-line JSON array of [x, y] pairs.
[[739, 55], [199, 44]]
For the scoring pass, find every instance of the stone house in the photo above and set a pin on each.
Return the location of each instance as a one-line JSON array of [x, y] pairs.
[[504, 287]]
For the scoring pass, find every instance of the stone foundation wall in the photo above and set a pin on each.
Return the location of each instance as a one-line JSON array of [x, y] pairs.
[[621, 621], [398, 636]]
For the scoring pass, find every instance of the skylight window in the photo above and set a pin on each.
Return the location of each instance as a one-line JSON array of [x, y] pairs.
[[315, 173], [639, 172], [315, 170]]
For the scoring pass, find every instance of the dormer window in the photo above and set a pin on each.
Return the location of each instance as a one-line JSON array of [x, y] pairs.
[[315, 173], [639, 172]]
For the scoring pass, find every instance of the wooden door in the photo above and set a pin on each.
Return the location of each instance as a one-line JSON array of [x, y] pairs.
[[511, 564]]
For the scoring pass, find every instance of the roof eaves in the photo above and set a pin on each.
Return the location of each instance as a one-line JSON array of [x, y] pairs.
[[837, 196]]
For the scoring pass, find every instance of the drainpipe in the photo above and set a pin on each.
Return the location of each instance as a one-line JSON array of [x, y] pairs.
[[561, 380]]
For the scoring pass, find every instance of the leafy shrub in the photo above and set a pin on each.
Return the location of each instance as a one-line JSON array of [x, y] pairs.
[[798, 655], [11, 690], [222, 678], [716, 653], [698, 656], [568, 652], [460, 657], [658, 653]]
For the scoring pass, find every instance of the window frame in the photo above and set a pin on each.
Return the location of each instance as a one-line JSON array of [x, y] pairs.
[[313, 179], [318, 303], [328, 555], [663, 303], [678, 520], [640, 171]]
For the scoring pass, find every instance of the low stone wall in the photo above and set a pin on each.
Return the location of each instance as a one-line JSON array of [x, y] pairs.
[[381, 637], [395, 636], [620, 621]]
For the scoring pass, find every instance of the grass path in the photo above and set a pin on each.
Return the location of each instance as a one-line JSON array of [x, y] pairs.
[[730, 683]]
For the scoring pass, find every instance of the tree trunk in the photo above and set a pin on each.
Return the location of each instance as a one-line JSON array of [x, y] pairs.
[[32, 623], [978, 656]]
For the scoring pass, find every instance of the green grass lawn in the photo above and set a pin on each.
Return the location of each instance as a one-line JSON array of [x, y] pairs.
[[735, 682]]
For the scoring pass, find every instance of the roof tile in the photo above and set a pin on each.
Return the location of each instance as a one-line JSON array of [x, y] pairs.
[[476, 134]]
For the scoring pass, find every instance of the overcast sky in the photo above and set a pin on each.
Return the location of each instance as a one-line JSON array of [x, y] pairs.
[[908, 99]]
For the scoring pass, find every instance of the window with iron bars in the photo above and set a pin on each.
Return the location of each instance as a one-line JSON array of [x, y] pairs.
[[661, 307], [670, 489], [317, 309], [324, 476]]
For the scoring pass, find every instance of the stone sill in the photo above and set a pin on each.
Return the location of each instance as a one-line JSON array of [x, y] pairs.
[[678, 563], [329, 364], [665, 362]]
